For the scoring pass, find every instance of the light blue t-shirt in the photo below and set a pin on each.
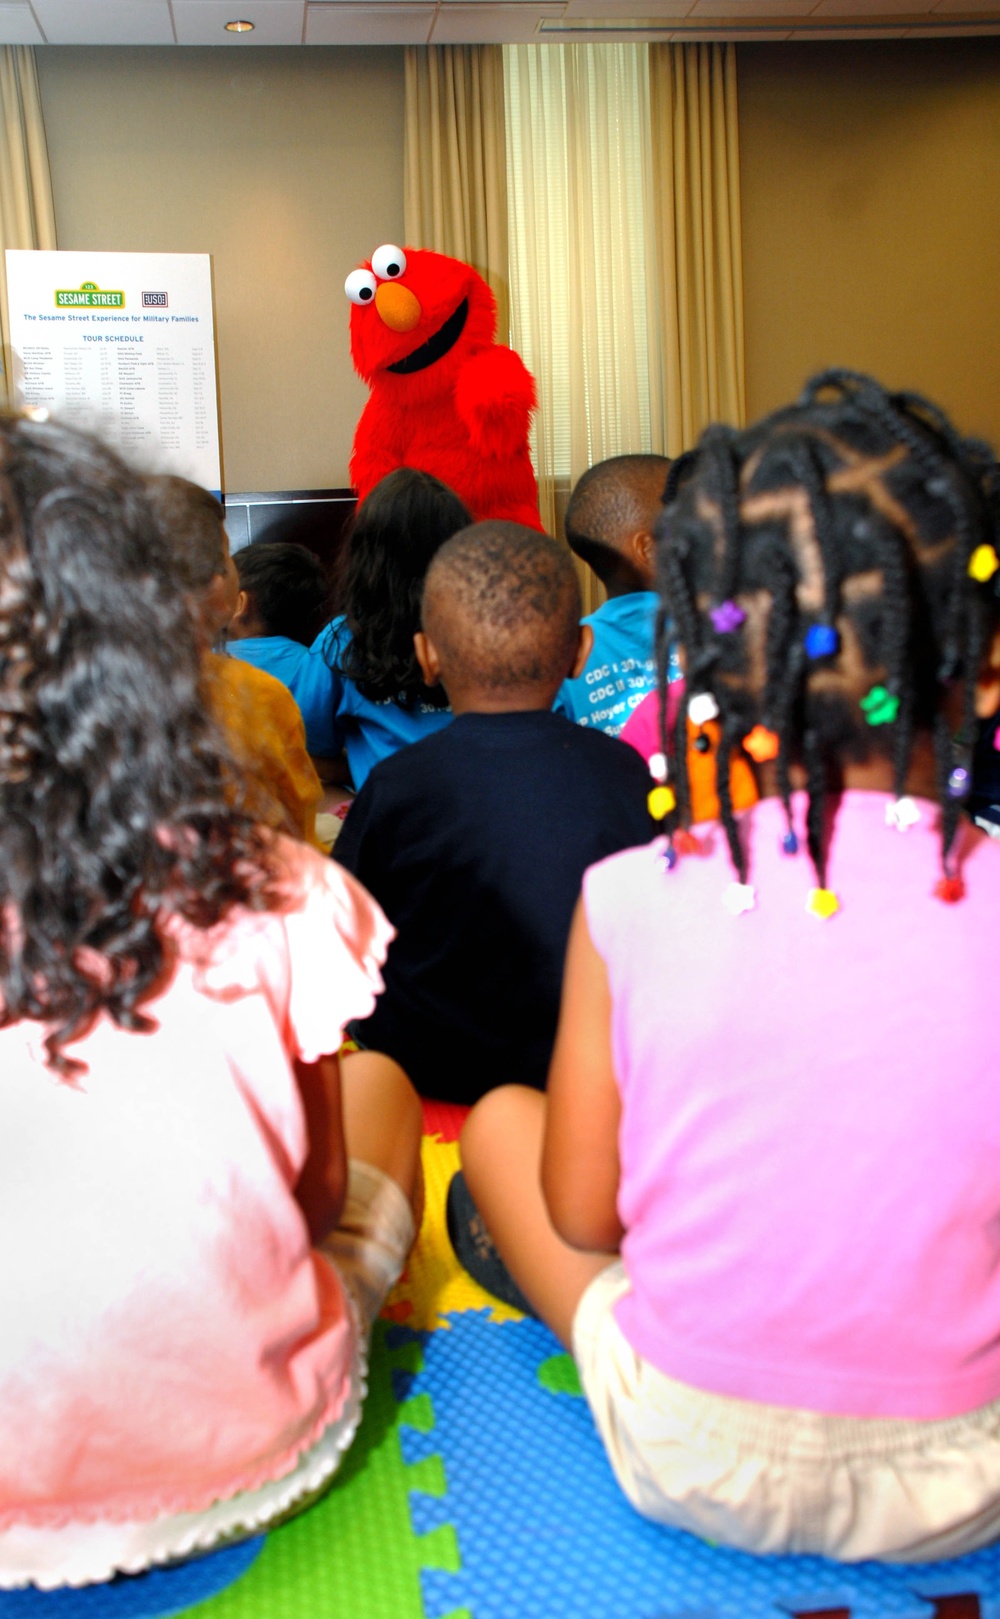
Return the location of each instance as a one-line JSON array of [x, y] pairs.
[[307, 677], [368, 731], [621, 668]]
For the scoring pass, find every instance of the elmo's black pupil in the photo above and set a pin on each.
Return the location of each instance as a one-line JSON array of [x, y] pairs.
[[366, 293], [392, 269]]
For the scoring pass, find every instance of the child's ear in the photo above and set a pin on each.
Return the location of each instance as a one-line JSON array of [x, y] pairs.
[[988, 684], [430, 663], [642, 547], [584, 648], [242, 607]]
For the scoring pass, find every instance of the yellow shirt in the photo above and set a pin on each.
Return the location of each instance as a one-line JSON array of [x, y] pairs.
[[267, 736]]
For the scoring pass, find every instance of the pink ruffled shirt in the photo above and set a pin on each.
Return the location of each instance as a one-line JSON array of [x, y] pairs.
[[168, 1335], [810, 1133]]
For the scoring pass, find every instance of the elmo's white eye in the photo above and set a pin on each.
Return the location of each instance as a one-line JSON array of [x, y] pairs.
[[388, 262], [360, 287]]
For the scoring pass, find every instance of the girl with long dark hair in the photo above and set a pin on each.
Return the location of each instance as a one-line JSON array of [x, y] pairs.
[[379, 699], [205, 1208]]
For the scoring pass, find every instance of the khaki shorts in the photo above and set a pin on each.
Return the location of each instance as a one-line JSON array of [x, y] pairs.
[[772, 1479], [368, 1249]]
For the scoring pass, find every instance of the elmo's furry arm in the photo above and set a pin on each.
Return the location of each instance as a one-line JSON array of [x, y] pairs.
[[374, 454], [494, 397]]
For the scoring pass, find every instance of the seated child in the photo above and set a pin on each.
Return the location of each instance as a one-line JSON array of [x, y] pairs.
[[263, 726], [379, 701], [474, 841], [609, 525], [283, 591], [204, 1209], [761, 1198]]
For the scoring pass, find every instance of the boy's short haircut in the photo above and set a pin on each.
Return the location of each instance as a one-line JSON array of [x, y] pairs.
[[609, 503], [502, 604], [190, 519], [288, 587]]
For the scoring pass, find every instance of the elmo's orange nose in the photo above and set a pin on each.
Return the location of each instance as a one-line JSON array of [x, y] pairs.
[[397, 306]]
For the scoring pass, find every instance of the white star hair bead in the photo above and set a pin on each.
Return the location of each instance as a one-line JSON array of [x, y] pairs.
[[702, 708], [657, 763], [902, 813], [739, 897]]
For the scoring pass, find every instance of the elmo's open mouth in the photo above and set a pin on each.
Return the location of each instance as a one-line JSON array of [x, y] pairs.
[[444, 338]]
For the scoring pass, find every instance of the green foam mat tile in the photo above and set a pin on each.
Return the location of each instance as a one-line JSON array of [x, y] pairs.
[[353, 1555]]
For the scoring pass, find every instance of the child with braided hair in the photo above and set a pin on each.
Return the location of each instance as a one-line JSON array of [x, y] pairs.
[[761, 1199]]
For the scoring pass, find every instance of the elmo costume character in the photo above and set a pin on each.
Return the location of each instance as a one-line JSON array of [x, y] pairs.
[[445, 398]]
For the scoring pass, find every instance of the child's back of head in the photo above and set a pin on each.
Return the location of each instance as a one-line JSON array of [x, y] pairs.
[[115, 790], [501, 606], [283, 592], [393, 535], [191, 522], [831, 574], [610, 519]]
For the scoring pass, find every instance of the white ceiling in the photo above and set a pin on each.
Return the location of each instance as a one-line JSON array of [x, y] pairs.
[[418, 22]]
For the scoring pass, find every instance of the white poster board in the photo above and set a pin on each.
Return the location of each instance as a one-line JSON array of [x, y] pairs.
[[122, 344]]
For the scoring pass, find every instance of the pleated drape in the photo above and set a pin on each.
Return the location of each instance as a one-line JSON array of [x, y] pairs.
[[27, 215], [576, 145], [454, 160], [697, 358]]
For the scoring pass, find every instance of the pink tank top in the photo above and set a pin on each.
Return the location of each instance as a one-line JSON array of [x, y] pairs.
[[810, 1136]]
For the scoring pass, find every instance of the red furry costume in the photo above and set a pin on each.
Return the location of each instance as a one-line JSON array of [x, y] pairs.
[[444, 396]]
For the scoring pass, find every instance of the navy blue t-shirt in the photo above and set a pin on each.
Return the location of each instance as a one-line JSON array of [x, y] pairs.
[[474, 842]]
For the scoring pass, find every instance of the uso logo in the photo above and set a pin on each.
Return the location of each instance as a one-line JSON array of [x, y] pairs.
[[154, 300]]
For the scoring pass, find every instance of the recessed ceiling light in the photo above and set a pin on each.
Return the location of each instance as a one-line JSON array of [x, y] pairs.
[[240, 26]]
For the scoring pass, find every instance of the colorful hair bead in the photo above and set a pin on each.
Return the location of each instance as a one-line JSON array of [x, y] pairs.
[[822, 902], [727, 617], [657, 764], [686, 843], [959, 782], [880, 706], [660, 802], [702, 742], [821, 641], [762, 744], [790, 843], [739, 897], [702, 707], [902, 813], [668, 858], [949, 889], [983, 564]]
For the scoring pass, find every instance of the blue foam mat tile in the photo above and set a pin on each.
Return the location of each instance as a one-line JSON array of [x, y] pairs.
[[155, 1595], [545, 1533]]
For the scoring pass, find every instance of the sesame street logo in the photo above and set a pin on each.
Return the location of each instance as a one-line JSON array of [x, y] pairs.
[[89, 296]]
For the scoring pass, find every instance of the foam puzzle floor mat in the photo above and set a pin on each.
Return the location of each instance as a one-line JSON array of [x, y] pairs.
[[477, 1489]]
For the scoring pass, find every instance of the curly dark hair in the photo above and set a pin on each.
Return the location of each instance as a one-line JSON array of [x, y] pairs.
[[393, 536], [116, 790], [854, 513]]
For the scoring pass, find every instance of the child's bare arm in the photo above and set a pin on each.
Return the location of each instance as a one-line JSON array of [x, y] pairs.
[[323, 1182], [580, 1170]]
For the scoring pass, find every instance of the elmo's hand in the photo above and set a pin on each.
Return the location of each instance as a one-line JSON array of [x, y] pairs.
[[494, 396]]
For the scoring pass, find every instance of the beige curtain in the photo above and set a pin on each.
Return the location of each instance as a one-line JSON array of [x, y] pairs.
[[697, 330], [27, 216], [577, 143], [454, 163]]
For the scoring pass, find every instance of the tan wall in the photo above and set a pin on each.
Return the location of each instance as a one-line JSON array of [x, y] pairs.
[[287, 167], [871, 218]]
